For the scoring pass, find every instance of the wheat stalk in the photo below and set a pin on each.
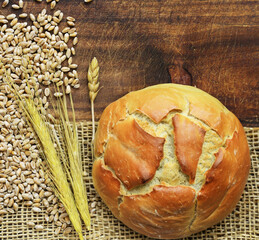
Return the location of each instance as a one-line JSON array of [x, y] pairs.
[[93, 86], [70, 137], [52, 156], [48, 139]]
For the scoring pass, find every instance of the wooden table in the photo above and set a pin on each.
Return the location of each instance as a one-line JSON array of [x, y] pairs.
[[136, 41]]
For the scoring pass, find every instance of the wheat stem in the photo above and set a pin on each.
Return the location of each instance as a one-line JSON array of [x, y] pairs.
[[93, 121]]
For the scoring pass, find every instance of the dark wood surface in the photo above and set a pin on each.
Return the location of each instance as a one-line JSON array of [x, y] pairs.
[[216, 42]]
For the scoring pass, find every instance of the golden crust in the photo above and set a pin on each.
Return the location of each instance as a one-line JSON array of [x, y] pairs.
[[107, 186], [225, 182], [137, 151], [155, 213], [189, 138], [156, 106], [111, 115], [158, 209]]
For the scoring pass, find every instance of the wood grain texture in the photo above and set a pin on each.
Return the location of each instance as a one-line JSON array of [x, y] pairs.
[[136, 41]]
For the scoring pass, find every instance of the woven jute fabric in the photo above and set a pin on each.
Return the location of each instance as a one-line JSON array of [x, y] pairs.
[[242, 223]]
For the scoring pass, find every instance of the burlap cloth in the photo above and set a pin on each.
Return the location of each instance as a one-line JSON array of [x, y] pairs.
[[242, 223]]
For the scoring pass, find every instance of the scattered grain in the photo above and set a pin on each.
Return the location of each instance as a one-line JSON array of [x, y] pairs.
[[70, 23], [10, 210], [39, 227], [15, 6], [3, 211], [70, 19], [21, 3], [67, 231], [36, 209], [15, 207], [57, 230], [73, 51], [74, 34], [53, 4], [5, 3], [73, 65], [31, 224], [11, 16], [23, 15], [56, 14], [75, 41], [32, 17], [13, 22]]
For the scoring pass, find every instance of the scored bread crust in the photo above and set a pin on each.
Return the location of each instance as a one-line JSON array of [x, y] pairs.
[[129, 155]]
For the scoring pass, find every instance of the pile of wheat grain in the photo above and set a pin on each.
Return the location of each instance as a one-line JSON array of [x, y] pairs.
[[39, 49]]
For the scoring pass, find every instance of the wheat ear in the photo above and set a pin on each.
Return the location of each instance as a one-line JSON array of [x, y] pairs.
[[93, 86]]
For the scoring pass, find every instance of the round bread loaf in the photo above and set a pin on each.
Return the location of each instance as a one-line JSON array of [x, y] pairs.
[[170, 160]]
